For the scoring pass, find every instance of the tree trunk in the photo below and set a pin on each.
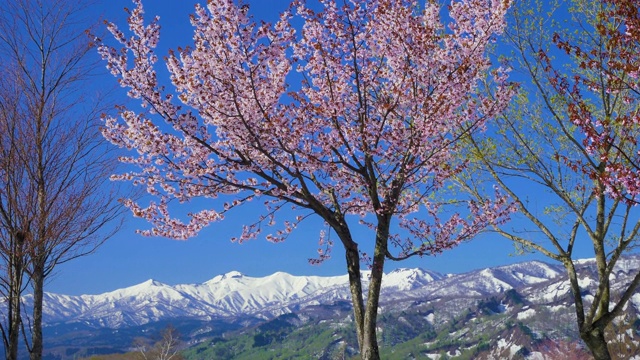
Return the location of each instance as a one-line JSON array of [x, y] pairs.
[[16, 273], [369, 345], [355, 286], [364, 319], [597, 344], [14, 316], [37, 279], [370, 350]]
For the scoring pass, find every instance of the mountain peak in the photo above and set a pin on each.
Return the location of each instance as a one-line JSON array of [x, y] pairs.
[[400, 270], [151, 282], [407, 279], [410, 271], [230, 275]]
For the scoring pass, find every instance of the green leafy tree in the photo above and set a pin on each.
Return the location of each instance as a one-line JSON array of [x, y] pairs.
[[564, 137]]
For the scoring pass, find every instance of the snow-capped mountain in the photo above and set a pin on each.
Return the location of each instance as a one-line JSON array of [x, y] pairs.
[[234, 294], [495, 280], [513, 309], [228, 295]]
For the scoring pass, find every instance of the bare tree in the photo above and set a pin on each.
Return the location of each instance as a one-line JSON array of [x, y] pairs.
[[12, 225], [166, 348], [56, 203]]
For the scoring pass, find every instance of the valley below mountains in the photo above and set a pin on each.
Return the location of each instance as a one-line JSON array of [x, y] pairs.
[[518, 311]]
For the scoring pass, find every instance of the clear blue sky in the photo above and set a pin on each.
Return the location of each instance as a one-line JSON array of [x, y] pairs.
[[128, 258]]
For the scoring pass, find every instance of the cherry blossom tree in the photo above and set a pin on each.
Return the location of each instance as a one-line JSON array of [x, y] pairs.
[[368, 137], [570, 135]]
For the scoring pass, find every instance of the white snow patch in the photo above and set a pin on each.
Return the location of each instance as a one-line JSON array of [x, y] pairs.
[[430, 318], [408, 279], [585, 282], [554, 291], [635, 300], [583, 261], [526, 314], [536, 356], [429, 343], [513, 348]]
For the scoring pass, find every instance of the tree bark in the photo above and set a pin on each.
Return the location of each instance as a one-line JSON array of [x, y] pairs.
[[355, 286], [365, 318], [14, 327], [16, 271], [35, 353], [370, 349], [594, 338], [14, 309]]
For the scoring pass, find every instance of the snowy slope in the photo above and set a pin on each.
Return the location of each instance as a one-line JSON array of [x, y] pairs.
[[485, 282], [234, 294], [227, 295]]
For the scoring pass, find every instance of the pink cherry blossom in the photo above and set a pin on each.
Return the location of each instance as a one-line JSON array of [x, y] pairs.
[[371, 130]]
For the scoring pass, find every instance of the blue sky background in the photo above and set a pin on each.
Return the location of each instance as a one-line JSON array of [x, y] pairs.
[[128, 259]]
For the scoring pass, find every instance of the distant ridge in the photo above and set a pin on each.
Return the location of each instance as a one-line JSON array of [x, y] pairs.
[[499, 312], [234, 294]]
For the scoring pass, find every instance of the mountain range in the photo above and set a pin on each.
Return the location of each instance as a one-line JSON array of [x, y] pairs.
[[225, 296], [534, 294], [234, 294]]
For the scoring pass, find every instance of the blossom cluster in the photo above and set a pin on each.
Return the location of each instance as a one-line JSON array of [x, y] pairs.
[[372, 129]]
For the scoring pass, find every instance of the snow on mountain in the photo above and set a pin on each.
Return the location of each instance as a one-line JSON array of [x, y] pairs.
[[489, 281], [535, 294], [620, 277], [408, 279], [228, 295], [234, 294]]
